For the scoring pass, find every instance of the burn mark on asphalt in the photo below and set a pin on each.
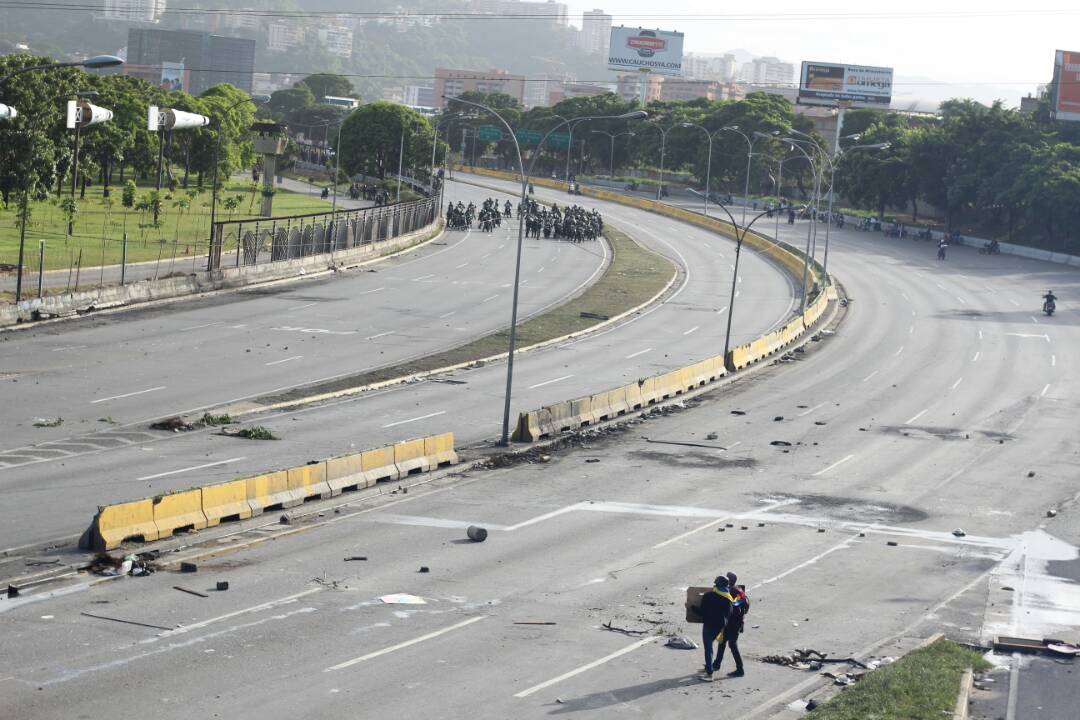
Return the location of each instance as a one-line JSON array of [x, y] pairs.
[[693, 459], [850, 509]]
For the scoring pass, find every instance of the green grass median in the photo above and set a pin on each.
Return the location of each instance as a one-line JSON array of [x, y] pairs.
[[922, 685]]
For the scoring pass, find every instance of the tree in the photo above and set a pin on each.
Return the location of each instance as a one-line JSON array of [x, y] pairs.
[[285, 103], [371, 138], [324, 85]]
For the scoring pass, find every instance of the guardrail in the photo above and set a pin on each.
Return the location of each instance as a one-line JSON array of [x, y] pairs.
[[584, 411], [286, 238], [158, 517]]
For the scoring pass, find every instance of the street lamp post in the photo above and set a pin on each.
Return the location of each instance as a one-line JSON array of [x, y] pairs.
[[98, 61], [834, 162], [708, 162], [611, 172], [810, 226], [663, 143], [525, 175], [749, 157], [570, 148], [257, 100]]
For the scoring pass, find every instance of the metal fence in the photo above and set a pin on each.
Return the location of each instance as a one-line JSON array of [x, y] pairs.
[[250, 242]]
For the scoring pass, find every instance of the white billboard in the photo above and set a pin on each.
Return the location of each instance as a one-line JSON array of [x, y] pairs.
[[658, 51], [832, 83]]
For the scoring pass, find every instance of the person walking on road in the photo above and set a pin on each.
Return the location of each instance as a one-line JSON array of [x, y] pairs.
[[715, 612], [740, 606]]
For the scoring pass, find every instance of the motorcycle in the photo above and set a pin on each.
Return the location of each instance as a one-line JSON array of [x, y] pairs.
[[1049, 306], [990, 248]]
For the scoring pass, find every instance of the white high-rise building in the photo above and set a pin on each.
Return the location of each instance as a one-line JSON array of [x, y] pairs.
[[771, 71], [283, 36], [595, 32], [135, 10], [337, 40]]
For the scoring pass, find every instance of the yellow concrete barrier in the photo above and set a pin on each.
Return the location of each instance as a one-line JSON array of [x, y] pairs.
[[346, 473], [310, 481], [225, 501], [528, 427], [379, 466], [634, 398], [409, 457], [176, 511], [114, 524], [440, 450], [271, 492]]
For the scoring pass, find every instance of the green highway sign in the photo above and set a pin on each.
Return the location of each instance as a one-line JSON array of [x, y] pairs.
[[529, 137], [558, 140], [489, 132]]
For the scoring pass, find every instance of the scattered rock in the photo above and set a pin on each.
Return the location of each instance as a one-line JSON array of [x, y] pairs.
[[892, 543], [49, 422], [222, 585], [175, 424], [1031, 473], [780, 443], [1051, 513], [592, 460], [681, 643], [738, 412], [819, 422], [711, 436], [285, 520], [778, 418], [958, 532], [424, 569], [188, 567], [476, 534], [1008, 588]]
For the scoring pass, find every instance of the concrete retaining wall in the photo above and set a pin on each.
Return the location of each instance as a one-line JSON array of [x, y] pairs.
[[86, 301]]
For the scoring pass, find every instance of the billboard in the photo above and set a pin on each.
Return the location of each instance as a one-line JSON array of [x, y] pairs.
[[830, 83], [1066, 99], [658, 51], [172, 76]]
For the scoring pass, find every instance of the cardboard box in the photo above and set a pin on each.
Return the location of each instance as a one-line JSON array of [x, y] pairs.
[[693, 603]]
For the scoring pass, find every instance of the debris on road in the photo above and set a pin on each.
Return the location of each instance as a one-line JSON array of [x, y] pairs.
[[355, 557], [534, 622], [255, 432], [188, 567], [125, 622], [109, 566], [48, 422], [1051, 513], [711, 436], [196, 593], [1031, 473], [810, 659], [222, 585], [959, 532], [780, 443], [424, 569], [476, 534], [175, 424], [285, 520], [680, 643], [592, 460], [738, 412], [623, 631], [683, 444], [402, 599], [778, 418]]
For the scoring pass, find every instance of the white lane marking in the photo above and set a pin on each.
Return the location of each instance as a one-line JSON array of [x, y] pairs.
[[485, 257], [738, 292], [911, 330], [870, 375], [706, 526], [957, 383], [722, 310], [916, 416], [69, 347], [912, 313], [423, 277], [585, 668], [839, 546], [403, 645], [980, 335], [458, 267], [631, 356], [382, 334], [1053, 361], [810, 410], [446, 315], [288, 359], [1034, 320], [368, 292], [541, 269], [1014, 302], [961, 299], [501, 246], [899, 350], [836, 464], [237, 327], [422, 417], [189, 469], [692, 330], [199, 327], [489, 299], [975, 358], [549, 382], [254, 608], [1044, 390], [740, 278], [904, 295], [301, 307], [126, 395], [940, 286], [707, 245], [320, 331]]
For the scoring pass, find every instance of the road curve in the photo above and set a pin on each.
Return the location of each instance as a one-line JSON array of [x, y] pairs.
[[687, 327]]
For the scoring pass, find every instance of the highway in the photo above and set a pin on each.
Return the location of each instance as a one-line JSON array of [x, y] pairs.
[[129, 368], [893, 482]]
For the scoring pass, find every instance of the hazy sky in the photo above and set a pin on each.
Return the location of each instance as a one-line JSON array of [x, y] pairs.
[[996, 48]]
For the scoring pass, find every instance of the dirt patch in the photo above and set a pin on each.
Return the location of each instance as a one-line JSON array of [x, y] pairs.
[[927, 432], [851, 509], [693, 459]]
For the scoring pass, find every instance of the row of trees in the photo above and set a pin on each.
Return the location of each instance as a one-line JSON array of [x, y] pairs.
[[36, 149]]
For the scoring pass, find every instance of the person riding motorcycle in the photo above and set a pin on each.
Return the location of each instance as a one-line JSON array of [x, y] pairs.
[[1049, 302]]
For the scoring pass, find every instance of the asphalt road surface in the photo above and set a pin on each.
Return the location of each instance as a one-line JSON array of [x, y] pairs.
[[128, 368], [893, 482]]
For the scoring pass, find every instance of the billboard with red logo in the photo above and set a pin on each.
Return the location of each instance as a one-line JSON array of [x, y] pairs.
[[658, 51], [1066, 99]]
